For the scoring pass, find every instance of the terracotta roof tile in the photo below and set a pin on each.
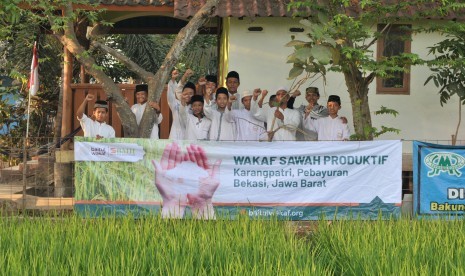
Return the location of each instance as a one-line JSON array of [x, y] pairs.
[[135, 2], [235, 8], [275, 8], [278, 8]]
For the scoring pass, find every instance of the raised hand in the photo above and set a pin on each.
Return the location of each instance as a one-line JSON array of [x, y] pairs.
[[155, 106], [186, 180], [189, 73], [278, 114], [174, 202], [174, 74], [256, 93], [232, 99], [202, 81], [208, 93], [309, 107], [185, 98], [90, 97], [201, 201], [296, 93]]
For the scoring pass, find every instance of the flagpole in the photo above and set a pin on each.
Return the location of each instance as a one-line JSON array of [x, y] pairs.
[[25, 167], [28, 112], [33, 86]]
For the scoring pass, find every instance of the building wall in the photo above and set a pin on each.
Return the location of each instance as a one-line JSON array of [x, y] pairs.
[[260, 59]]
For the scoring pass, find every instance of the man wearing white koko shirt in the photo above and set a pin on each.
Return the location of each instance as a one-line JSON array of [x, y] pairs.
[[98, 128], [139, 108], [281, 122]]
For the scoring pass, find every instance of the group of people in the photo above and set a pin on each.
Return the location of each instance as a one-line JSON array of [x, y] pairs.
[[208, 112]]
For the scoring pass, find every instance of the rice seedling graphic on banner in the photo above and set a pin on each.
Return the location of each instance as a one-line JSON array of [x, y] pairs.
[[204, 179]]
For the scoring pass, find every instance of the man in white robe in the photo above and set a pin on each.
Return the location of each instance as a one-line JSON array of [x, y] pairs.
[[178, 131], [222, 127], [232, 83], [330, 128], [197, 125], [248, 128], [311, 111], [173, 83], [139, 108], [97, 128], [281, 121]]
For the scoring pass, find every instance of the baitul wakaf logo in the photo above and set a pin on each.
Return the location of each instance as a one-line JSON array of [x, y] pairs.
[[444, 162]]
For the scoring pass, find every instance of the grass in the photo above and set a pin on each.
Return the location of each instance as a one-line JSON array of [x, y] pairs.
[[152, 246]]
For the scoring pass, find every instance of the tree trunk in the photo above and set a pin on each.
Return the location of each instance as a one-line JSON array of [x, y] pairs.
[[144, 130], [156, 82], [69, 40], [183, 38], [358, 90]]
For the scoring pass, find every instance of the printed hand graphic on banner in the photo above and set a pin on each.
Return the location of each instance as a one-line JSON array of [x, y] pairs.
[[201, 201], [174, 202], [186, 180]]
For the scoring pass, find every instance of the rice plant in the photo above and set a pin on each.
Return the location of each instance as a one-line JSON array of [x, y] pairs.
[[150, 245]]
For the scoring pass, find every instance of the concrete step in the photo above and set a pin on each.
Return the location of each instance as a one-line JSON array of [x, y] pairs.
[[46, 159], [32, 166], [10, 174], [15, 173], [38, 203]]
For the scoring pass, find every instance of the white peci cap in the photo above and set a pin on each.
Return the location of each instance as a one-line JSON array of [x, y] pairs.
[[246, 93]]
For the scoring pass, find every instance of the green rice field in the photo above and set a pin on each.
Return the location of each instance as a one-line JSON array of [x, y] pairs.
[[72, 245]]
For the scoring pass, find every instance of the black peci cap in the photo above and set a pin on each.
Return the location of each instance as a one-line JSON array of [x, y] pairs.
[[233, 74], [334, 98], [142, 88]]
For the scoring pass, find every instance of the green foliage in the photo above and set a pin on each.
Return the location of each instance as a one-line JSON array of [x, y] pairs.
[[19, 28], [448, 67], [10, 113], [341, 38], [201, 55], [385, 110], [149, 51], [16, 54], [370, 131]]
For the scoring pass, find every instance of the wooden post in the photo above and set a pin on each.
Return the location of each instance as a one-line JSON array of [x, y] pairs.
[[83, 76], [63, 172], [67, 96]]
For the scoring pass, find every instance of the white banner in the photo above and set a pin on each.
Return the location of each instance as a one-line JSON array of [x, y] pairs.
[[108, 152], [316, 172], [298, 179]]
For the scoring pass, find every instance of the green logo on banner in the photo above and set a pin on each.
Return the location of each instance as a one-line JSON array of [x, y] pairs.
[[444, 162]]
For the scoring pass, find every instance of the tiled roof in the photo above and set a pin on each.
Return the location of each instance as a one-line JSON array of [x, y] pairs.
[[226, 8], [278, 8], [425, 10], [267, 8], [234, 8], [135, 2]]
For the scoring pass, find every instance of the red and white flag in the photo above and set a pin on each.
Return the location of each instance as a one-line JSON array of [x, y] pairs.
[[33, 83]]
